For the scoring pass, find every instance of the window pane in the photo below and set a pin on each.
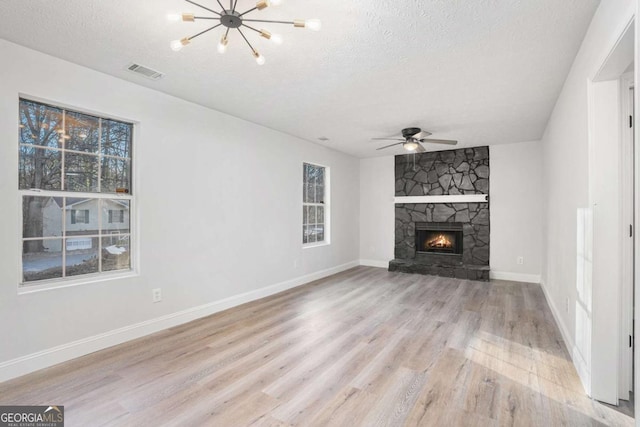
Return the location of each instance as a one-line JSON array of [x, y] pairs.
[[320, 215], [309, 236], [115, 253], [41, 216], [39, 124], [305, 173], [305, 238], [82, 132], [115, 175], [305, 215], [310, 193], [81, 172], [116, 138], [320, 233], [312, 214], [81, 216], [81, 256], [115, 216], [39, 168], [320, 179], [319, 198], [41, 259]]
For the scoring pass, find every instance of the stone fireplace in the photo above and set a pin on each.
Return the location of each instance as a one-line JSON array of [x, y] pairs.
[[442, 214]]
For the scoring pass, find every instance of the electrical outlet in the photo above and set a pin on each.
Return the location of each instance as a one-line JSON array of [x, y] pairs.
[[520, 260], [157, 295]]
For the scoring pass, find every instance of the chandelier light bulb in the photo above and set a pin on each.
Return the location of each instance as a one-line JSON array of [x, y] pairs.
[[275, 2], [174, 17], [222, 46], [276, 38], [259, 58], [313, 24], [177, 45]]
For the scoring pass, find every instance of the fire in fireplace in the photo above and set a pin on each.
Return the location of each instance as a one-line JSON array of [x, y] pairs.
[[442, 241], [439, 237]]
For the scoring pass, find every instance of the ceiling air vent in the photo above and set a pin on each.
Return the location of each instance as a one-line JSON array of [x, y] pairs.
[[145, 71]]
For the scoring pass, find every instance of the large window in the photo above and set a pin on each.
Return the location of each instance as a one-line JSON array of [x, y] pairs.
[[75, 181], [315, 204]]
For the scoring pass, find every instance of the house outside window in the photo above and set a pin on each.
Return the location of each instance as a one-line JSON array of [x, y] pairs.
[[75, 183], [315, 205]]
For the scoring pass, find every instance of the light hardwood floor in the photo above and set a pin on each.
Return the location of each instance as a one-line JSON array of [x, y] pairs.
[[363, 348]]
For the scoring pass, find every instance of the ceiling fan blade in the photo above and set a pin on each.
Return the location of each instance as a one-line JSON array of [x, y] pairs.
[[420, 148], [392, 145], [422, 134], [440, 141], [387, 139]]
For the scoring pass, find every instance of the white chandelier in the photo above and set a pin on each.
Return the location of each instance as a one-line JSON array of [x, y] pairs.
[[232, 19]]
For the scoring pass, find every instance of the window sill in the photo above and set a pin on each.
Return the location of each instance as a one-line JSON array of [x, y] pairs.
[[48, 285], [315, 245]]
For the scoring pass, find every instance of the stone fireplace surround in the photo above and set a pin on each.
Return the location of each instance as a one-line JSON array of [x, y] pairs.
[[443, 173]]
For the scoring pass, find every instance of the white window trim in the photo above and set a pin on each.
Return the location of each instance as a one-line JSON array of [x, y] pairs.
[[24, 288], [326, 205]]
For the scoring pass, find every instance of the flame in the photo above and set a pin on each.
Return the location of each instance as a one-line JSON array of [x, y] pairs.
[[439, 242]]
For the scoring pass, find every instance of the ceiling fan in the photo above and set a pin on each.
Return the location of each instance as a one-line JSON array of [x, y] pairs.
[[412, 139]]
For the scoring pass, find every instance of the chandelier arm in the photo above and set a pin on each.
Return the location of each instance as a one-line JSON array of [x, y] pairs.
[[221, 6], [265, 20], [202, 32], [207, 17], [233, 8], [251, 28], [202, 7], [250, 10], [245, 39]]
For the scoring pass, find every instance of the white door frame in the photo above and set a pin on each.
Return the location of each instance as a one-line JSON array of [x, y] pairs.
[[625, 382]]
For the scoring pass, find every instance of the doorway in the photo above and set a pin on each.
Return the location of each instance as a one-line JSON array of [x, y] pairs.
[[612, 199]]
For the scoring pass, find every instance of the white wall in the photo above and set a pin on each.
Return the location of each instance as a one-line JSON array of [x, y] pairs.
[[377, 211], [516, 208], [219, 204], [566, 160], [516, 211]]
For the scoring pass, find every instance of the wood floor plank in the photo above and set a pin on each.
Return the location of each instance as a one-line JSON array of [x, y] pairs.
[[365, 347]]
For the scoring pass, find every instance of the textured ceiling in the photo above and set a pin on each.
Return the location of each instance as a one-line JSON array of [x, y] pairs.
[[480, 71]]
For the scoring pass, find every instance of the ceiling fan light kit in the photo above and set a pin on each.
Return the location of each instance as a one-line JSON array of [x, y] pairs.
[[412, 140], [232, 19]]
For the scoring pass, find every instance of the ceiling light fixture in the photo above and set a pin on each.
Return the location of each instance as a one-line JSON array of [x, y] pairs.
[[410, 145], [232, 19]]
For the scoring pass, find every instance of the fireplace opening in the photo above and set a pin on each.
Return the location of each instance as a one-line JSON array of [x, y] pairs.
[[439, 237]]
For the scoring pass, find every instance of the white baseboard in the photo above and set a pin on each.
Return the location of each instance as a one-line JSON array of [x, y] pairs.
[[374, 263], [62, 353], [576, 357], [514, 277]]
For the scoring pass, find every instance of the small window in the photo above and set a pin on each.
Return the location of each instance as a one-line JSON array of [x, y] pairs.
[[116, 216], [315, 206], [74, 176], [80, 216]]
